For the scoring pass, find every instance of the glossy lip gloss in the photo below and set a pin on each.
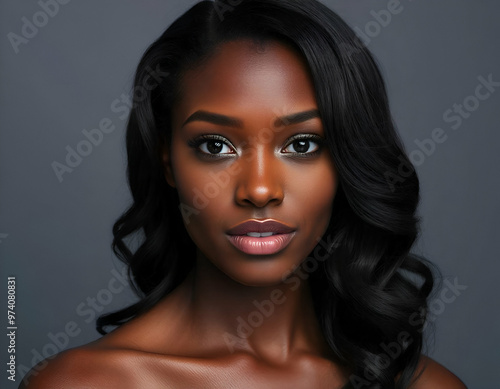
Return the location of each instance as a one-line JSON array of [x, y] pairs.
[[276, 236], [263, 245]]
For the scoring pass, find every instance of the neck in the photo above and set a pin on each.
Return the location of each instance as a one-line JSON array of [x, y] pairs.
[[271, 322]]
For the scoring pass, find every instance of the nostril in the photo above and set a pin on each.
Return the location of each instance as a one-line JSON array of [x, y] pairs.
[[259, 196]]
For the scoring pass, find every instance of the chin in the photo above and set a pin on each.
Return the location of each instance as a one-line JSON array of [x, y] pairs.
[[260, 274]]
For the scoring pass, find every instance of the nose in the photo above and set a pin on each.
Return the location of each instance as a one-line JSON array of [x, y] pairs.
[[259, 183]]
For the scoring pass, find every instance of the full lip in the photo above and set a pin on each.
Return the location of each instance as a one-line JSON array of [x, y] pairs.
[[261, 226], [278, 238]]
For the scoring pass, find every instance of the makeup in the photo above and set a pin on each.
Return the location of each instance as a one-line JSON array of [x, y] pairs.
[[261, 246], [261, 237]]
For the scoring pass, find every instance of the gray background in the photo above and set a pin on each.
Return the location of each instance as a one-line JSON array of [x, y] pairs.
[[55, 236]]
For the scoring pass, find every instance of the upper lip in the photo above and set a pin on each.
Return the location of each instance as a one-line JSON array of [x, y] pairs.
[[260, 226]]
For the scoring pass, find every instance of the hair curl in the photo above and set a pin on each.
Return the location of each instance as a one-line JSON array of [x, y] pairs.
[[371, 292]]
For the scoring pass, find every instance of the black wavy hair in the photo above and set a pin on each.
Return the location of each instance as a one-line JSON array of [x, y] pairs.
[[371, 294]]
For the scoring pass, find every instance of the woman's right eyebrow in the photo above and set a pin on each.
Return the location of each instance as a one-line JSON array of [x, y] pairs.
[[215, 118], [229, 121]]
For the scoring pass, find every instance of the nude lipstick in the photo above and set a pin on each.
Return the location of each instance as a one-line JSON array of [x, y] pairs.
[[261, 237]]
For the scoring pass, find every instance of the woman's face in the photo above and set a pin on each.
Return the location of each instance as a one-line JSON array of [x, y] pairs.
[[232, 160]]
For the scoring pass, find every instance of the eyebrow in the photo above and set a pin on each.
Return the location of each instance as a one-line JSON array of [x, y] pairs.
[[223, 120]]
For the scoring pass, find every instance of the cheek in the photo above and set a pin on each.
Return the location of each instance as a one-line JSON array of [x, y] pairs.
[[314, 200], [203, 192], [316, 187]]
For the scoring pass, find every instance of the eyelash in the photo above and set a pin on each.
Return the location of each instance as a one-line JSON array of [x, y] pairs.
[[198, 141]]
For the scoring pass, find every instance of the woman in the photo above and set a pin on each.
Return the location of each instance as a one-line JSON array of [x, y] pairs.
[[274, 226]]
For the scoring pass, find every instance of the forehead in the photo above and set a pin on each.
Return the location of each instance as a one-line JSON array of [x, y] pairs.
[[246, 77]]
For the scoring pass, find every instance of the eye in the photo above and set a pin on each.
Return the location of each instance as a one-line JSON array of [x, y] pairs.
[[211, 145], [304, 144], [214, 146]]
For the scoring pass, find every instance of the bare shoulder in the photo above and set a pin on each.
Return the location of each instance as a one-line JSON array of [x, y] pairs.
[[82, 367], [111, 361], [120, 359], [435, 376]]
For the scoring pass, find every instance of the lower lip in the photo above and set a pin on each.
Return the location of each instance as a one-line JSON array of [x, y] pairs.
[[261, 246]]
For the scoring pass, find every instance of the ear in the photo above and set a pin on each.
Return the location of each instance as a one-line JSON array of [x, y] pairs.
[[167, 165]]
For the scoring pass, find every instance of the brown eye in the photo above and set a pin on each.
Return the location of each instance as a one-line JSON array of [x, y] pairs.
[[301, 146], [214, 146], [211, 146], [305, 144]]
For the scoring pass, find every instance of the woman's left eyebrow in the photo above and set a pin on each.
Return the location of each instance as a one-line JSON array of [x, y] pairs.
[[296, 118], [223, 120]]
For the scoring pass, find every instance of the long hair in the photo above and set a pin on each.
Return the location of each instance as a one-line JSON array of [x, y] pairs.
[[371, 293]]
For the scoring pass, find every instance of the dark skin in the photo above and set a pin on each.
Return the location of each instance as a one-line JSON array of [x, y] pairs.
[[190, 338]]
